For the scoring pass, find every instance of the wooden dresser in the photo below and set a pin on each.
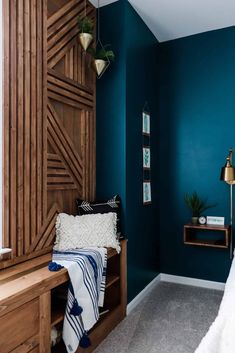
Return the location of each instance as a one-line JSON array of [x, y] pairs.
[[28, 310]]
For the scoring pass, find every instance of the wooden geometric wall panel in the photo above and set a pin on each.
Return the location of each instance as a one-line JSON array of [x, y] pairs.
[[49, 121]]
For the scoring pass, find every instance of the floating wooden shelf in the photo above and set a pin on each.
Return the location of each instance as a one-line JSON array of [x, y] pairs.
[[191, 232]]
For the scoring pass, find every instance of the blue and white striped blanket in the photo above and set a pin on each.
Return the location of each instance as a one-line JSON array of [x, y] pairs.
[[87, 271]]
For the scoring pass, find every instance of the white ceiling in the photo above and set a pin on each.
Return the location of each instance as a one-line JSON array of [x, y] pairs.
[[171, 19]]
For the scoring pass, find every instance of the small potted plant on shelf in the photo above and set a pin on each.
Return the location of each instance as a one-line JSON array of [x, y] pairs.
[[86, 27], [197, 205], [101, 58]]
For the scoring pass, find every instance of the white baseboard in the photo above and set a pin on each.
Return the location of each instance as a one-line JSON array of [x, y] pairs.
[[192, 281], [163, 277], [142, 294]]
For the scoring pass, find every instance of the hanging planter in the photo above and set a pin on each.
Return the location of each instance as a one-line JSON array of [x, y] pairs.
[[102, 56], [86, 27]]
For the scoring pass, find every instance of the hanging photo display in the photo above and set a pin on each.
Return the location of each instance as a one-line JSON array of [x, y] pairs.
[[147, 197], [146, 155]]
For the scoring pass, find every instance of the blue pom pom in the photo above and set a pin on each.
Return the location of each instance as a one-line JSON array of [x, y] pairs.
[[53, 266], [85, 341], [76, 309]]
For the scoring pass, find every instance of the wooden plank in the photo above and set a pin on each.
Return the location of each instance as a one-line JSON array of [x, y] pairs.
[[63, 10], [33, 138], [22, 259], [20, 129], [58, 165], [19, 270], [47, 234], [62, 187], [13, 131], [56, 58], [76, 90], [75, 63], [59, 35], [67, 101], [27, 125], [58, 172], [6, 124], [29, 315], [55, 141], [53, 157], [45, 322], [27, 346], [39, 115], [64, 19], [87, 91], [62, 43], [66, 179], [28, 286], [46, 228], [71, 96], [44, 110], [75, 161]]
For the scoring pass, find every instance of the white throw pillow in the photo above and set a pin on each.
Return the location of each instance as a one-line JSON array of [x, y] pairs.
[[74, 232]]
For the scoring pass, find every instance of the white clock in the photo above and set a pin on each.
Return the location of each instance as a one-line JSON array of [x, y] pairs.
[[202, 220]]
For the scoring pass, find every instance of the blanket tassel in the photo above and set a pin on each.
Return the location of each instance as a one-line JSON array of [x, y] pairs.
[[85, 341], [76, 309], [53, 266]]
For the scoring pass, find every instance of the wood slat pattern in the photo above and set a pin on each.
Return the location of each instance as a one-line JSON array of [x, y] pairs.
[[49, 122], [58, 177], [24, 130]]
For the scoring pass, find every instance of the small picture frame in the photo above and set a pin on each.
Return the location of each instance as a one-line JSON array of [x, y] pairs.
[[146, 123], [147, 198], [146, 157]]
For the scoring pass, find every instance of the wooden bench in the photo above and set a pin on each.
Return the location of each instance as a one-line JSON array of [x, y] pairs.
[[27, 313]]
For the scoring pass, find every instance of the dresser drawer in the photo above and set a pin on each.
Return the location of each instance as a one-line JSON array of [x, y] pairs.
[[19, 325]]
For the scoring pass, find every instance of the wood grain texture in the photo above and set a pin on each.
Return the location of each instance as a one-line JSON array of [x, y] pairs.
[[29, 315], [49, 97]]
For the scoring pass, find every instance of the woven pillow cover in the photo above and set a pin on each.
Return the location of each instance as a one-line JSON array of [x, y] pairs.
[[73, 232], [111, 205]]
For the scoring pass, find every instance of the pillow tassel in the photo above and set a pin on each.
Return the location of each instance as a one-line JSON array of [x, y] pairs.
[[76, 309]]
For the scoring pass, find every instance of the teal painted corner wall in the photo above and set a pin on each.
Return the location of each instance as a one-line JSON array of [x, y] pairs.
[[111, 112], [197, 127], [142, 221], [121, 94], [189, 86]]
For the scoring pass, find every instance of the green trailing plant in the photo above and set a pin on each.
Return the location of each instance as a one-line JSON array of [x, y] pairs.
[[102, 53], [196, 204], [85, 25]]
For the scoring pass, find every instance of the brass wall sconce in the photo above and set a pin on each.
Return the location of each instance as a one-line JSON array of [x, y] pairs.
[[228, 176]]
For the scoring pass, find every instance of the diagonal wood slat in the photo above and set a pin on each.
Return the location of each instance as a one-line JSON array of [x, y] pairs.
[[46, 229], [74, 159]]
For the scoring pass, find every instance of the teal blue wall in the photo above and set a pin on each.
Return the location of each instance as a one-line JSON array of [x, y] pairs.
[[142, 221], [121, 94], [197, 127], [189, 85]]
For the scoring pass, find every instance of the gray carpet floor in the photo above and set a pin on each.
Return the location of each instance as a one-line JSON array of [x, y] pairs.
[[171, 319]]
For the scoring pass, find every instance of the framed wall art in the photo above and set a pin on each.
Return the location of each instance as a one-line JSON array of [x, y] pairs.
[[146, 123], [147, 197], [146, 157]]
